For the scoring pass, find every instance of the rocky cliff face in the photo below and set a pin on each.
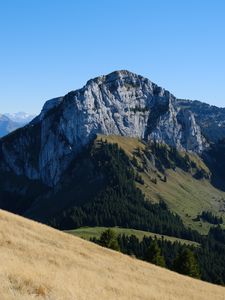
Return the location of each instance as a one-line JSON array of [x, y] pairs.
[[121, 103], [210, 118]]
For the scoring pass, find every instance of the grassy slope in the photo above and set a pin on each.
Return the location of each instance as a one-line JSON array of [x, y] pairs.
[[38, 262], [87, 232], [184, 195]]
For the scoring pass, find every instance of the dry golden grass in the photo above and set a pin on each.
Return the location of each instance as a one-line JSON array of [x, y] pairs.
[[128, 144], [38, 262]]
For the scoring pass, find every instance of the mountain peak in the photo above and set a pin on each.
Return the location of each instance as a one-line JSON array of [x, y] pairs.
[[116, 76]]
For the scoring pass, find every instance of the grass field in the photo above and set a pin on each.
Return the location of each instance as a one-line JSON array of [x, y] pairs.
[[39, 262], [184, 194], [88, 232]]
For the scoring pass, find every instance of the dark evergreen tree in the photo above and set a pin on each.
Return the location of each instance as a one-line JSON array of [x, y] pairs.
[[211, 218], [186, 263], [154, 255], [108, 239]]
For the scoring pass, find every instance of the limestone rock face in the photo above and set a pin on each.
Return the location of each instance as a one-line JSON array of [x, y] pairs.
[[210, 118], [121, 103]]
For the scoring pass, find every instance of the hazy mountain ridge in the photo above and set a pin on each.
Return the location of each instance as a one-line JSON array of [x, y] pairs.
[[7, 125], [20, 117], [10, 122]]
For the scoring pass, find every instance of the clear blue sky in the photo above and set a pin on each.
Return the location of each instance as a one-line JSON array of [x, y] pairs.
[[49, 47]]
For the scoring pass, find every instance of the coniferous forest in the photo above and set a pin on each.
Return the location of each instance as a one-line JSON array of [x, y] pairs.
[[205, 261], [117, 201]]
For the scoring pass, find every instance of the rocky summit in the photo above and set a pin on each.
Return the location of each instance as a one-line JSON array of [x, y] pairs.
[[121, 103]]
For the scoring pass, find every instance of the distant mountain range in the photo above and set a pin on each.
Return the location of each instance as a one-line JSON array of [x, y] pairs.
[[10, 122], [20, 117]]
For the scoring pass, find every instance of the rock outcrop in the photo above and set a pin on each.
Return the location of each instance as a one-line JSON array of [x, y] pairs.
[[211, 119]]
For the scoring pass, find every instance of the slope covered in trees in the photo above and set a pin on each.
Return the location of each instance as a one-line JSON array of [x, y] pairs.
[[117, 201], [185, 181], [161, 174]]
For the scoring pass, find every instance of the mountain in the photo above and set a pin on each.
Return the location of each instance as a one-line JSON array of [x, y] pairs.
[[121, 103], [20, 117], [210, 118], [7, 125], [41, 162], [187, 182], [10, 122], [102, 273]]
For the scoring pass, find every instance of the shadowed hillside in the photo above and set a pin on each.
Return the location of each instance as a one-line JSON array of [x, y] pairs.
[[38, 262]]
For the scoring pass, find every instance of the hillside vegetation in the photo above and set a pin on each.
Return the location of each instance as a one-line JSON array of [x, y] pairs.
[[95, 232], [38, 262], [112, 175], [184, 194]]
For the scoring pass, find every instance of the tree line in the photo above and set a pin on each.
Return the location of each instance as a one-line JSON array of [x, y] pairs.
[[205, 261]]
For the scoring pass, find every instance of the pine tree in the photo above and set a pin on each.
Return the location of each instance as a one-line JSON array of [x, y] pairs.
[[154, 255], [108, 239], [186, 263]]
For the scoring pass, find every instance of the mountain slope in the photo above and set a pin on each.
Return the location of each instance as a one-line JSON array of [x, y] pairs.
[[210, 118], [70, 268], [100, 189], [184, 194]]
